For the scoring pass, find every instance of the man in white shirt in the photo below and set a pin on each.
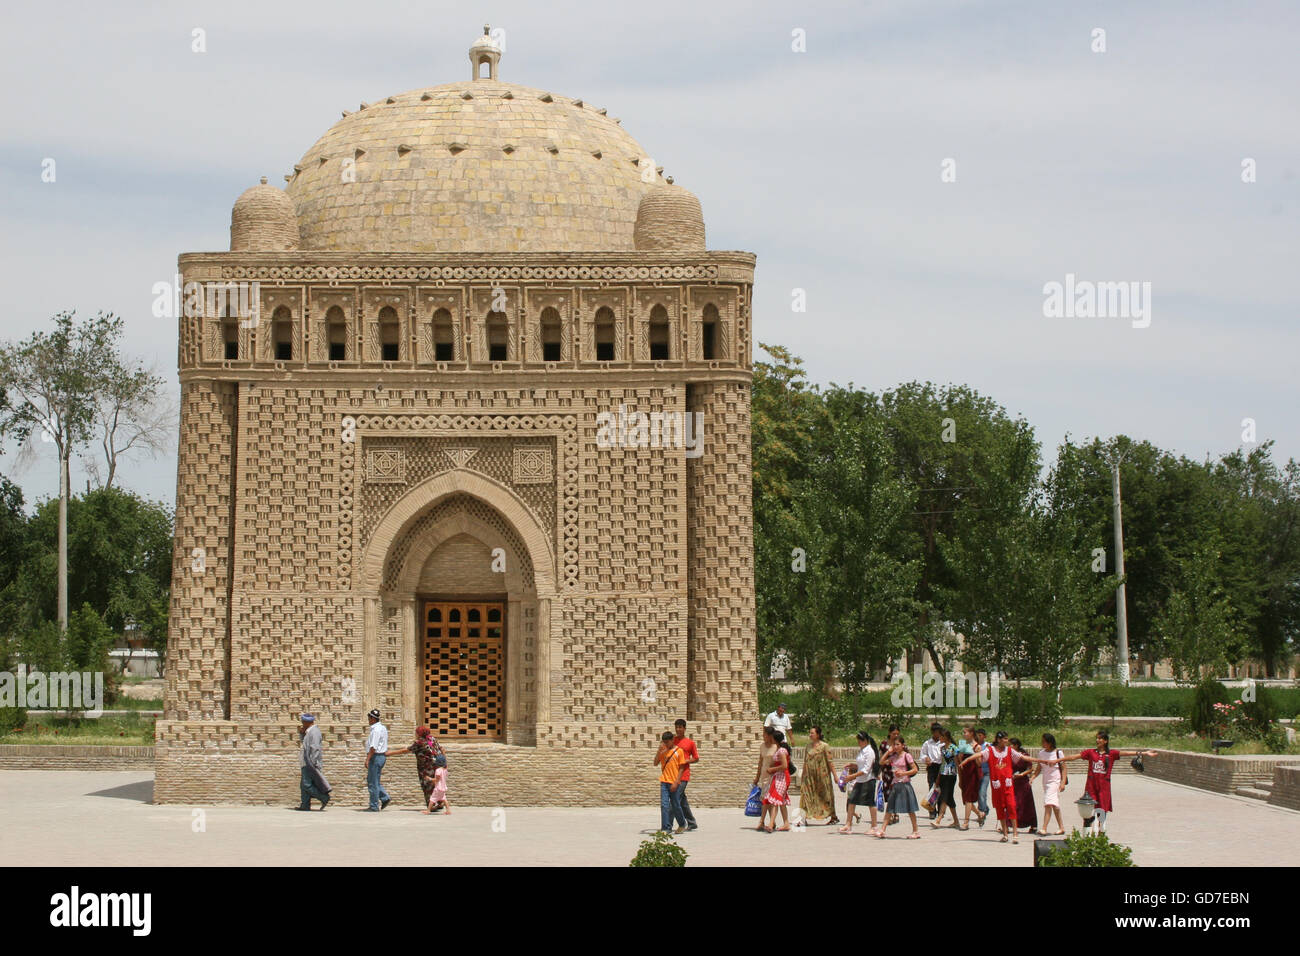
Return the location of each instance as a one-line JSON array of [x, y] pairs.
[[779, 720], [932, 759], [376, 755]]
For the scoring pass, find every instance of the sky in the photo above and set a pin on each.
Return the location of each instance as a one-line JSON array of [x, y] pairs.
[[920, 171]]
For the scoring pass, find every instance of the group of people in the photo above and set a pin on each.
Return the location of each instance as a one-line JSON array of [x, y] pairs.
[[878, 783], [430, 764]]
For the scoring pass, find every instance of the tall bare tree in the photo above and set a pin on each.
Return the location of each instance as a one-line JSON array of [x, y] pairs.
[[48, 384], [132, 415]]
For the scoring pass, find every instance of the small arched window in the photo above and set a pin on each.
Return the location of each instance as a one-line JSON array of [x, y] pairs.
[[709, 332], [228, 309], [659, 346], [282, 334], [390, 332], [605, 334], [552, 344], [336, 333], [444, 337], [498, 331], [230, 339]]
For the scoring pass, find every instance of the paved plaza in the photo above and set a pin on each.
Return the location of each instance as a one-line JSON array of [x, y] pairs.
[[61, 818]]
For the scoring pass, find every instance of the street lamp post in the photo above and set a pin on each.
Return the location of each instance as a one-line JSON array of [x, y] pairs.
[[1121, 609]]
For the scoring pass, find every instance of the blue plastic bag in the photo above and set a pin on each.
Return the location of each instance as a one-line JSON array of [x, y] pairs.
[[754, 805]]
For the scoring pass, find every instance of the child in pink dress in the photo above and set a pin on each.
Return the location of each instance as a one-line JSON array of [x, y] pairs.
[[438, 798]]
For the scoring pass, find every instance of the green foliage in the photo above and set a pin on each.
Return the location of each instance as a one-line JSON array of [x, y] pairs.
[[1085, 849], [1110, 700], [660, 850], [11, 719], [120, 553], [1203, 716]]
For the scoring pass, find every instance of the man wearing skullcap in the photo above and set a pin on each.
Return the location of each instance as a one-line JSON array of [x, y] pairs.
[[314, 784], [376, 755]]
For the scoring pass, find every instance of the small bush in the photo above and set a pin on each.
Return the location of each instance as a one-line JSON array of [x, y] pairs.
[[660, 850], [1084, 849], [1204, 717], [11, 719]]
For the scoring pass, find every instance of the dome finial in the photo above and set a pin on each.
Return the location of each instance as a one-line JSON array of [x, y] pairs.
[[484, 50], [263, 180]]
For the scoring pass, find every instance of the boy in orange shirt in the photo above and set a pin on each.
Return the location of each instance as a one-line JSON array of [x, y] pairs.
[[671, 758]]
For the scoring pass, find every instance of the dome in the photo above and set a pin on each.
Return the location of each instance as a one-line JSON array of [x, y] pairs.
[[475, 166], [669, 219], [263, 220]]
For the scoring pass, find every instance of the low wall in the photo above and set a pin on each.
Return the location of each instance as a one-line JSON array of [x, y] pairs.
[[1286, 786], [64, 757], [1222, 773]]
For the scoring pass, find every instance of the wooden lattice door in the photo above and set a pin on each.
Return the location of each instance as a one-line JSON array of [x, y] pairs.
[[465, 669]]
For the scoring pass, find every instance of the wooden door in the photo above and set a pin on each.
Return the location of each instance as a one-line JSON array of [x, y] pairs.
[[465, 669]]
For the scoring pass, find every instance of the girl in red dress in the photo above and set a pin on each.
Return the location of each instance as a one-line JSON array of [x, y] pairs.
[[1027, 812], [1000, 755], [1100, 763]]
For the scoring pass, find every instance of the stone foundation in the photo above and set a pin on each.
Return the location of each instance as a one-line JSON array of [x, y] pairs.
[[237, 762]]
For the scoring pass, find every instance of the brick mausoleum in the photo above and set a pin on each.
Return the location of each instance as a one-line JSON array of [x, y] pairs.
[[393, 489]]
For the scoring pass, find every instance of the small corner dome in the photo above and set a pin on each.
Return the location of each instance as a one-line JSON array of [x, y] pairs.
[[669, 219], [263, 220]]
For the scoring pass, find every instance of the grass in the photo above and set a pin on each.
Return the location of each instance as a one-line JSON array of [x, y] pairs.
[[124, 730], [1069, 739], [1085, 700], [130, 703]]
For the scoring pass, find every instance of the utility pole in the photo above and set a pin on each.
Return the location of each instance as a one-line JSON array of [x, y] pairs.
[[1121, 608]]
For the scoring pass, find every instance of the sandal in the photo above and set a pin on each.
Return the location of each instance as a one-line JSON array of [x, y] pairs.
[[966, 827], [1003, 840], [783, 829], [914, 835], [846, 830]]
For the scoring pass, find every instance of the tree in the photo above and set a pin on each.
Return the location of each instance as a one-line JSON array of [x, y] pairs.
[[121, 545], [973, 468], [50, 381], [785, 409], [857, 609], [1197, 627], [131, 415], [13, 554]]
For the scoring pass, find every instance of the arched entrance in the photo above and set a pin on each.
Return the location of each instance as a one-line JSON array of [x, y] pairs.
[[458, 581]]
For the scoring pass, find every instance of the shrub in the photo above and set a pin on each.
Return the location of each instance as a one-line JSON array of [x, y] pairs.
[[1256, 718], [660, 850], [1084, 849], [11, 719], [1204, 717]]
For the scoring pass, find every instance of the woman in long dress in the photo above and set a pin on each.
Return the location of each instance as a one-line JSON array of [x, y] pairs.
[[763, 775], [427, 750], [968, 776], [817, 786], [1022, 774]]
